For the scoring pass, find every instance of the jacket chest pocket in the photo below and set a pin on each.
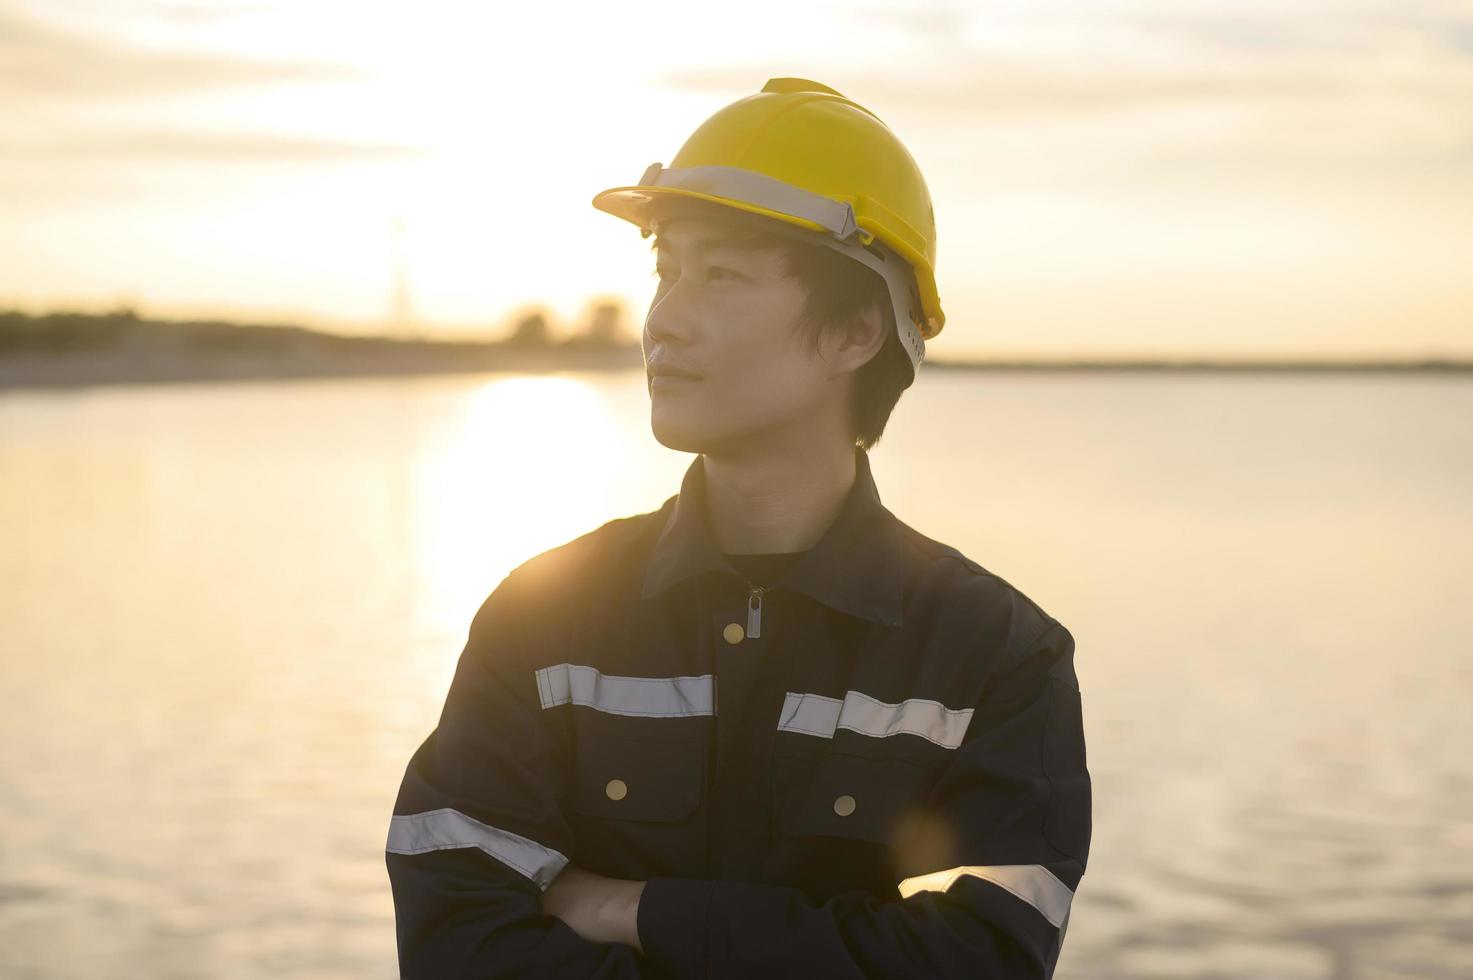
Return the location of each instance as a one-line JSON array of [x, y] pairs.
[[640, 779], [846, 822], [637, 807], [854, 797]]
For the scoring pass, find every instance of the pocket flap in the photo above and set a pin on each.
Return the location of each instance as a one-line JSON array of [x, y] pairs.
[[639, 779]]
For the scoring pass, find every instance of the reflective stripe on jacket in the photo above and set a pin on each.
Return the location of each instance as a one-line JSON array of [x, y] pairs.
[[873, 768]]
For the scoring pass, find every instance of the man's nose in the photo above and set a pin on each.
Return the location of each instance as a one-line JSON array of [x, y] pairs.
[[671, 316]]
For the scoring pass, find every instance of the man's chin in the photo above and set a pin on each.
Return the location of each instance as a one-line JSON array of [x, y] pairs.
[[680, 438], [676, 426]]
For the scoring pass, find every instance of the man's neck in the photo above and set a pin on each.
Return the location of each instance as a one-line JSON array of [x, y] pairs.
[[776, 503]]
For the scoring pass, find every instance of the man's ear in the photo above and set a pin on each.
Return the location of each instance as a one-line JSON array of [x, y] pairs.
[[849, 348]]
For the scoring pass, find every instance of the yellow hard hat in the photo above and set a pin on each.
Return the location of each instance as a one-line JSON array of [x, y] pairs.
[[803, 154]]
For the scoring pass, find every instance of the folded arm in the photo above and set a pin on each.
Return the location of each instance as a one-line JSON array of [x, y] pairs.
[[478, 832]]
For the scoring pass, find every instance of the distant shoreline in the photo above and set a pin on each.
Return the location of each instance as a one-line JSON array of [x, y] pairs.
[[70, 370], [1428, 364], [77, 350]]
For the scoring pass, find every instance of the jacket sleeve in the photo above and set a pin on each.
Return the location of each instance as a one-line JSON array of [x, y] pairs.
[[989, 886], [478, 832]]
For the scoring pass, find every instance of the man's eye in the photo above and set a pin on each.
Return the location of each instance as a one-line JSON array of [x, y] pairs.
[[714, 271]]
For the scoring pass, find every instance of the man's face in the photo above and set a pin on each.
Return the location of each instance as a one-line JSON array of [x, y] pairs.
[[728, 315]]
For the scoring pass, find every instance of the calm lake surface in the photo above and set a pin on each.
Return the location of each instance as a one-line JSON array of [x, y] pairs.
[[230, 612]]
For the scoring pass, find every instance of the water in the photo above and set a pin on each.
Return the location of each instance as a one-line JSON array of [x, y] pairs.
[[229, 613]]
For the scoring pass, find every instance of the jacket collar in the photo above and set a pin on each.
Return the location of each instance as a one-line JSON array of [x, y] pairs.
[[855, 567]]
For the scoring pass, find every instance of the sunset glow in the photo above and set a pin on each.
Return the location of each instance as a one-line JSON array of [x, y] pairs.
[[1118, 178]]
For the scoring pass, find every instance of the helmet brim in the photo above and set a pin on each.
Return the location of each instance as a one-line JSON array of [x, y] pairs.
[[638, 203]]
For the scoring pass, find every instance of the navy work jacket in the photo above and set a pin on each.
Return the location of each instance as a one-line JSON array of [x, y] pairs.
[[873, 767]]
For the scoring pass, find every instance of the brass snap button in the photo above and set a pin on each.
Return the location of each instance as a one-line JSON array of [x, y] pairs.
[[616, 789], [844, 805], [733, 633]]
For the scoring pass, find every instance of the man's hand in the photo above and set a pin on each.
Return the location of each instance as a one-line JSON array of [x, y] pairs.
[[601, 910]]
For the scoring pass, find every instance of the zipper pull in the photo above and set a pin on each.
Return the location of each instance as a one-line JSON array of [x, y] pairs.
[[754, 610]]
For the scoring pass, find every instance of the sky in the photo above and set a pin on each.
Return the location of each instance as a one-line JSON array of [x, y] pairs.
[[1110, 178]]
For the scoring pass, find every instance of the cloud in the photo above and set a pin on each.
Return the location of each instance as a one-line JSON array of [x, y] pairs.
[[41, 63], [1048, 61], [991, 85], [192, 13], [922, 21], [186, 146], [1235, 25], [1358, 28]]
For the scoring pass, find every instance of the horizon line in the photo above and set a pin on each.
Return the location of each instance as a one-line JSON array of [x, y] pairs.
[[1075, 359]]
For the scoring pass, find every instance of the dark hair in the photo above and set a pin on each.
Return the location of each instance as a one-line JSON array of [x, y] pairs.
[[839, 291]]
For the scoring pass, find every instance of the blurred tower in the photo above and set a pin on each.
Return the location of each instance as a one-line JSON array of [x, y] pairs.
[[606, 324], [401, 315]]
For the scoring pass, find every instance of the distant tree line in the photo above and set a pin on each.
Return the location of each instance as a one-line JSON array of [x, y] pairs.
[[605, 326]]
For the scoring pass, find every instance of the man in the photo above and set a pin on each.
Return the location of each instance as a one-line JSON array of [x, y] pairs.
[[767, 730]]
